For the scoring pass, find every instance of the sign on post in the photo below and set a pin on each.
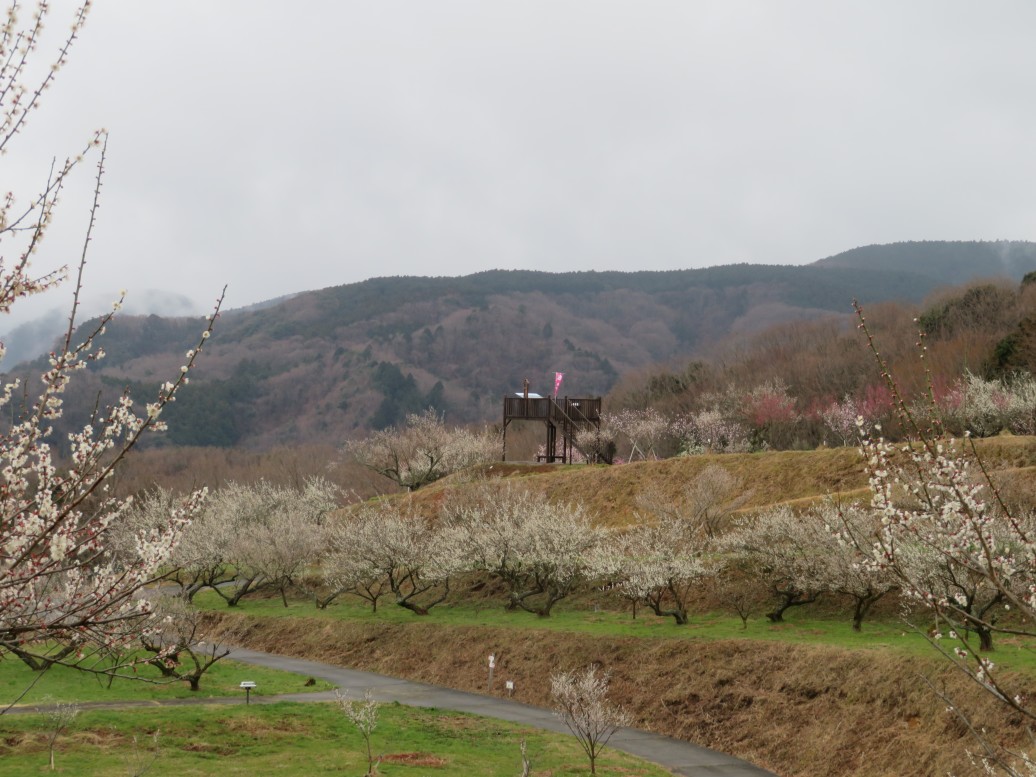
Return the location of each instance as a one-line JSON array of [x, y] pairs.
[[248, 685]]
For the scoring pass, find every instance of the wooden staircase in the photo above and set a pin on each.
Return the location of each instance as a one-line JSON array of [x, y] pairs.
[[567, 417]]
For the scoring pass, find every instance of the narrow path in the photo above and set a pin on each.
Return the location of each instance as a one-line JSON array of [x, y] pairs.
[[677, 755], [681, 757]]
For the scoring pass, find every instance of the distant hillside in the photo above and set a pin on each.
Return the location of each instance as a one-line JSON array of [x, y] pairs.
[[326, 365], [949, 263]]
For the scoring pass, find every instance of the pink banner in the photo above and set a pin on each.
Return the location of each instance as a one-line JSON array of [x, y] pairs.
[[557, 382]]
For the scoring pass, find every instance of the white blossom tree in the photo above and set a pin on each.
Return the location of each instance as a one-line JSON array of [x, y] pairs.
[[581, 701], [348, 572], [802, 555], [645, 429], [387, 541], [60, 582], [660, 564], [284, 532], [840, 419], [837, 532], [423, 450], [664, 559], [939, 509], [59, 718], [174, 640], [205, 556], [712, 431], [540, 549], [986, 407], [782, 552], [363, 714]]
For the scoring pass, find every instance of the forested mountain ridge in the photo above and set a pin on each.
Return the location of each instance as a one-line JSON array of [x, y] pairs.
[[329, 364], [947, 262]]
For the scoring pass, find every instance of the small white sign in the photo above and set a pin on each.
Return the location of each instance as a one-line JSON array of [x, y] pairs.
[[509, 685]]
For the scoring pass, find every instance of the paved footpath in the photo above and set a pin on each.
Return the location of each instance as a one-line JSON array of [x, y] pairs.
[[675, 754]]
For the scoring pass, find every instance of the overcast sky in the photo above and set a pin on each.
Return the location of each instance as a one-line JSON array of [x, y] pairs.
[[285, 146]]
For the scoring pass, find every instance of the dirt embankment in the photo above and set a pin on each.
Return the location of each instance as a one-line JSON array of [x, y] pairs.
[[805, 711]]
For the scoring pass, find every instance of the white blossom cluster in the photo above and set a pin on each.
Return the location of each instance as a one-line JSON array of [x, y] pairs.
[[710, 431], [581, 701], [646, 430], [60, 578], [986, 407], [423, 450], [953, 544]]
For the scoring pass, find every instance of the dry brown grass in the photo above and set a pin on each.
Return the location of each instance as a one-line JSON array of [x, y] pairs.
[[414, 759], [808, 711], [796, 477], [803, 710]]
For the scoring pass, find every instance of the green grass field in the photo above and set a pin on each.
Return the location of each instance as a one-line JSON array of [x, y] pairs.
[[294, 739], [64, 684]]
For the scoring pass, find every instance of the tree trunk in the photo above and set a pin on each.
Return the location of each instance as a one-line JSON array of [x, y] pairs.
[[862, 605], [787, 600], [985, 639], [416, 609]]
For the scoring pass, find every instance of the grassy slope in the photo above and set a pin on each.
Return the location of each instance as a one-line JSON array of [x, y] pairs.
[[797, 708], [770, 478]]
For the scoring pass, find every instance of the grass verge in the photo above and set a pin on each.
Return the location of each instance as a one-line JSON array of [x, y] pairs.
[[65, 684], [801, 627], [295, 739]]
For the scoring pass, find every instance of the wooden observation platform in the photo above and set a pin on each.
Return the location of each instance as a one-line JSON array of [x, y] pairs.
[[567, 416]]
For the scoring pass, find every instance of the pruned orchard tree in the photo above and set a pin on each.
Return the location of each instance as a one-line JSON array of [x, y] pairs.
[[837, 531], [173, 638], [204, 557], [423, 450], [351, 573], [782, 552], [935, 500], [284, 532], [387, 541], [247, 536], [660, 564], [581, 701], [801, 555], [540, 549], [256, 535], [60, 582]]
